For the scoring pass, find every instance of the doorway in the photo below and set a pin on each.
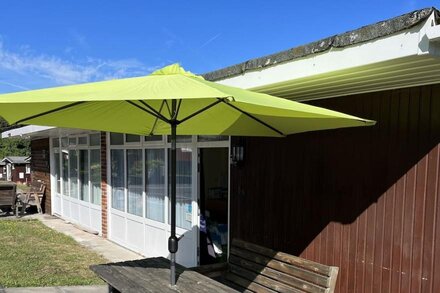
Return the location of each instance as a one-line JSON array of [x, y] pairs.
[[213, 199]]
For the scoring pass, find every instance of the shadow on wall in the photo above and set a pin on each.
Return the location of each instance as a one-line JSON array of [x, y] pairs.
[[288, 190]]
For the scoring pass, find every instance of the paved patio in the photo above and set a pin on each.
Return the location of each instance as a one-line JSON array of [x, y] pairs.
[[71, 289], [102, 246]]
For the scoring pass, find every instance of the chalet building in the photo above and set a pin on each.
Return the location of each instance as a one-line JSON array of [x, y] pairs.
[[364, 199], [16, 169], [2, 171]]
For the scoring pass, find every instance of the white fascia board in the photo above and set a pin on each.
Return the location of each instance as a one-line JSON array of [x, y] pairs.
[[411, 42], [24, 131]]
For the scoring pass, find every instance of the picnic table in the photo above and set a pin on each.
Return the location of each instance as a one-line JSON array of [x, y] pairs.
[[153, 275]]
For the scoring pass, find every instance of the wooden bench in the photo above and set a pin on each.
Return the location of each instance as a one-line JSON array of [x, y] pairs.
[[33, 197], [8, 197], [253, 268]]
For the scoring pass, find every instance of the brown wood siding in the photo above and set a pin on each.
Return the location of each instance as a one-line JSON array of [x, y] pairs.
[[363, 199], [40, 168]]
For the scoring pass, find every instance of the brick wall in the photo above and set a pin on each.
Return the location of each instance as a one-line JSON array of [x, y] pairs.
[[40, 167], [104, 183]]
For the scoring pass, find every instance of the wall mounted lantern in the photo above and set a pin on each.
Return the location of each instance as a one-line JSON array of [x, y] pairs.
[[237, 155]]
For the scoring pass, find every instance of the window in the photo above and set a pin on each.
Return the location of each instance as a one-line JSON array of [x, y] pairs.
[[117, 179], [183, 188], [65, 172], [205, 138], [72, 141], [28, 168], [55, 142], [84, 175], [73, 173], [154, 138], [82, 140], [64, 141], [78, 170], [95, 139], [116, 139], [181, 138], [134, 182], [95, 176], [131, 138], [57, 175], [155, 184]]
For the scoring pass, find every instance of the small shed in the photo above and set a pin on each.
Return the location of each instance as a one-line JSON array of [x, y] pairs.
[[16, 169]]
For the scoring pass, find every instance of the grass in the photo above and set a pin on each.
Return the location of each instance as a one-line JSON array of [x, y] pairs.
[[33, 255], [23, 187]]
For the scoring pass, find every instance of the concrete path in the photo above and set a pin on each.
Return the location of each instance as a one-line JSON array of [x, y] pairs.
[[71, 289], [104, 247]]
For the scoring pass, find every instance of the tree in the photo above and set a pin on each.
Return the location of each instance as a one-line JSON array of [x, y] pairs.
[[16, 146], [3, 124]]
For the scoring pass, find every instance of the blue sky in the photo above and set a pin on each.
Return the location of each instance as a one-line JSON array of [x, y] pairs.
[[49, 43]]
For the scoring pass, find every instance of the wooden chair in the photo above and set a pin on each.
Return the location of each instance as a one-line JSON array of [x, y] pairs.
[[33, 197], [253, 268], [8, 196]]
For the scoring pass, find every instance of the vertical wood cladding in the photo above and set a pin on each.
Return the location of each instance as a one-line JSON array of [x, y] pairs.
[[363, 199], [40, 168]]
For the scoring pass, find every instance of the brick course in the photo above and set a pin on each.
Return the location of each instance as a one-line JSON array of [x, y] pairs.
[[104, 184]]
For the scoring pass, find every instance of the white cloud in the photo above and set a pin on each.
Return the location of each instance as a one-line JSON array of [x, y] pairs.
[[61, 71]]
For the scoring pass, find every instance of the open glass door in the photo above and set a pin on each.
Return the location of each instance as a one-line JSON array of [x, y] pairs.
[[213, 199]]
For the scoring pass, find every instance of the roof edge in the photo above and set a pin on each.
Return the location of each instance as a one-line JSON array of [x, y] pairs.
[[349, 38]]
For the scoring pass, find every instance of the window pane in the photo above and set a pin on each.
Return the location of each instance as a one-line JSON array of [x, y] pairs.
[[95, 176], [56, 166], [132, 138], [183, 188], [84, 175], [82, 140], [134, 182], [65, 172], [116, 138], [212, 138], [72, 141], [73, 173], [117, 177], [64, 141], [55, 142], [181, 138], [95, 139], [155, 183], [153, 138]]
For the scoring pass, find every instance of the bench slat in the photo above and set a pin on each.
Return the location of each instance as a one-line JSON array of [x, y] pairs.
[[244, 283], [282, 267], [278, 276], [263, 280], [281, 256]]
